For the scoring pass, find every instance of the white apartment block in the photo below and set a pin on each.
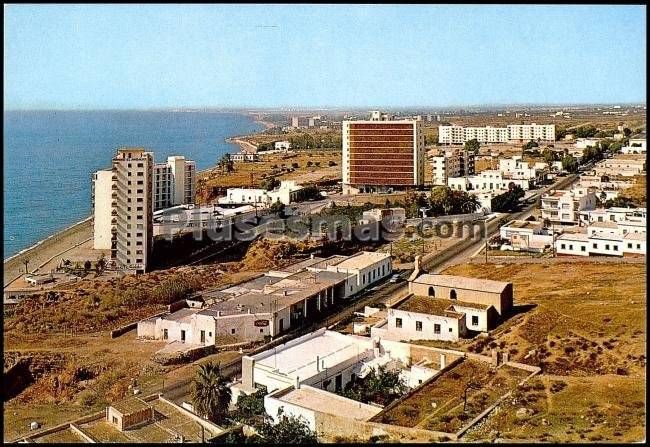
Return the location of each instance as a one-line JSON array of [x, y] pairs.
[[613, 214], [131, 209], [174, 182], [601, 243], [487, 181], [102, 184], [564, 206], [625, 166], [451, 163], [382, 154], [512, 133]]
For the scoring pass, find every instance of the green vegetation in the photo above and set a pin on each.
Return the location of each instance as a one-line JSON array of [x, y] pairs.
[[570, 164], [288, 430], [528, 146], [380, 386], [210, 392], [472, 145], [509, 200], [445, 201], [226, 164]]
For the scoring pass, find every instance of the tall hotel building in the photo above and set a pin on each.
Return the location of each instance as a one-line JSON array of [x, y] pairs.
[[382, 154], [511, 133], [174, 182], [131, 208]]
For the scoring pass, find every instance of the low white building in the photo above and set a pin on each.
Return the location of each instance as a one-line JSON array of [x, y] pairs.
[[636, 145], [583, 143], [188, 218], [288, 192], [526, 236], [282, 146], [487, 181], [272, 303], [396, 215], [602, 239]]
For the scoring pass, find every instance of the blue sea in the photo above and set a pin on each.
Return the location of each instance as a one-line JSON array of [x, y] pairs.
[[49, 157]]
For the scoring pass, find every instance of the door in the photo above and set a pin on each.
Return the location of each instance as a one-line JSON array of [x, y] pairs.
[[281, 324], [202, 336], [183, 336]]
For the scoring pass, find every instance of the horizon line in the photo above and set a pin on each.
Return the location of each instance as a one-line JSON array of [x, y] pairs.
[[300, 108]]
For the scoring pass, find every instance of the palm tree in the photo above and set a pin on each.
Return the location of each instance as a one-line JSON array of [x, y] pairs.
[[210, 392]]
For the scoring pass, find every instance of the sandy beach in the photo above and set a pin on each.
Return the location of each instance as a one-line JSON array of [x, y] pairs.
[[42, 252]]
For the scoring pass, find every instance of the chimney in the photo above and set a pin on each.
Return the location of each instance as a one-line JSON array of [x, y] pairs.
[[297, 384], [317, 363]]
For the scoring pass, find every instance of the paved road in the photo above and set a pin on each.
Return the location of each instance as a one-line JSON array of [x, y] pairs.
[[382, 293]]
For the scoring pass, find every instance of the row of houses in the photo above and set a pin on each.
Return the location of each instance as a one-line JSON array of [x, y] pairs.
[[270, 304]]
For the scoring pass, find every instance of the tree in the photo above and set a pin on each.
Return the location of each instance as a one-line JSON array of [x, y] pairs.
[[87, 265], [288, 430], [270, 183], [531, 144], [509, 200], [277, 207], [226, 164], [570, 164], [380, 385], [472, 145], [210, 392], [549, 157], [100, 264], [627, 132], [250, 408]]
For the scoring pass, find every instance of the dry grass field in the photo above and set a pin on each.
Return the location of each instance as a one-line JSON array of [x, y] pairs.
[[212, 183], [587, 331]]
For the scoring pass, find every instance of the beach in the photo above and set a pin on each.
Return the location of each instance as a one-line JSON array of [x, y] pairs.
[[43, 251]]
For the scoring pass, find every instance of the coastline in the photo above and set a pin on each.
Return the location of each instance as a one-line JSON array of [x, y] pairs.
[[45, 249], [78, 232]]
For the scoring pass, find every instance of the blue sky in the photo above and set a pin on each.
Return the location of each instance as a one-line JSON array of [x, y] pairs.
[[143, 56]]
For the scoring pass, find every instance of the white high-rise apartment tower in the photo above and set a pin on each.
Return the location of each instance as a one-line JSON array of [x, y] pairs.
[[174, 182]]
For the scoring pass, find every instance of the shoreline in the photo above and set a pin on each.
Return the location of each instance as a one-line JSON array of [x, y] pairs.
[[46, 248], [68, 237]]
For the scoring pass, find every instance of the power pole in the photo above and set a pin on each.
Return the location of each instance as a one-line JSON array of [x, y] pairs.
[[486, 249]]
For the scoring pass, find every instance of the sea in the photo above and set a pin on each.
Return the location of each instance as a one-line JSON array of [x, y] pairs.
[[49, 158]]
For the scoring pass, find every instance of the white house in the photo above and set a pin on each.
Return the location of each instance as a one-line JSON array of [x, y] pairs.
[[564, 206], [282, 146]]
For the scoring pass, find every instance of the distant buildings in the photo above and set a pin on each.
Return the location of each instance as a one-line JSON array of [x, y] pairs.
[[295, 121], [636, 145], [282, 146], [102, 205], [488, 134], [451, 163], [189, 218], [382, 154], [174, 182]]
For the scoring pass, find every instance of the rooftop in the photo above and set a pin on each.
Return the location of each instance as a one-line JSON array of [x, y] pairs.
[[521, 224], [635, 236], [181, 316], [326, 402], [362, 259], [297, 358], [130, 405], [581, 237], [606, 224], [462, 282], [436, 306]]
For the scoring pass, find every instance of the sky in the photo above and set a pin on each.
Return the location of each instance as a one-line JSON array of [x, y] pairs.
[[161, 56]]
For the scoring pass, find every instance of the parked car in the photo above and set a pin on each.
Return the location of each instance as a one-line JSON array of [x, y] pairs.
[[394, 278]]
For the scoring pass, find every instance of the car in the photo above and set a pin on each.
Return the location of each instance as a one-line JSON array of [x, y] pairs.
[[394, 278]]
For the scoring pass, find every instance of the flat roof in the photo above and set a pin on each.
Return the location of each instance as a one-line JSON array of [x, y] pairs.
[[462, 282], [362, 259], [330, 403], [582, 237], [635, 236], [296, 267], [604, 224], [522, 224], [130, 405], [297, 358]]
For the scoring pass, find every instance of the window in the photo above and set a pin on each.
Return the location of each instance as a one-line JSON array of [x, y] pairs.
[[398, 322], [606, 246], [474, 320], [418, 326], [232, 331], [436, 328], [261, 330], [209, 334], [202, 336], [615, 247], [139, 191], [165, 334], [451, 330], [452, 294], [595, 245], [562, 246], [432, 292], [583, 248], [183, 336], [338, 383]]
